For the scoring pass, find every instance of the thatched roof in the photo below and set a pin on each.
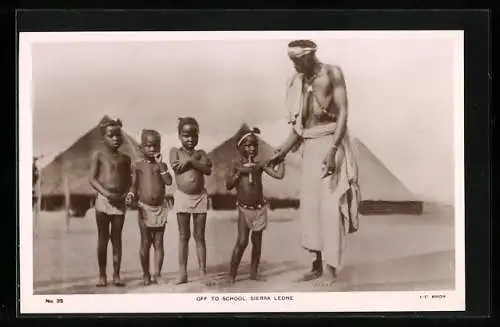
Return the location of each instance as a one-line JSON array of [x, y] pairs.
[[75, 162], [223, 155]]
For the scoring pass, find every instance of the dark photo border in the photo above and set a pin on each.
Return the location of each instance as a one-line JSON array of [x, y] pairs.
[[476, 27]]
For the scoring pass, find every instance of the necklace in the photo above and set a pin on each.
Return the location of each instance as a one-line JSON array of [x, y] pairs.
[[309, 80]]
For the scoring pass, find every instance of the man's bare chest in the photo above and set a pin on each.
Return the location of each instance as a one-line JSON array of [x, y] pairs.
[[319, 85]]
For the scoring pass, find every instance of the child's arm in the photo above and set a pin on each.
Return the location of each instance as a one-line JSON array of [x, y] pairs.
[[277, 172], [133, 187], [94, 172], [232, 177], [203, 164], [130, 176], [134, 179], [177, 166], [165, 175]]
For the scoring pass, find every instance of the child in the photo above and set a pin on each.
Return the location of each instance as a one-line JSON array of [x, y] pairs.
[[110, 176], [190, 166], [150, 176], [246, 176]]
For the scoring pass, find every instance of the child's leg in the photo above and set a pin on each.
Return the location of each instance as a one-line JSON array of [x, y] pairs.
[[116, 241], [241, 245], [144, 250], [256, 251], [183, 221], [199, 222], [102, 221], [157, 236]]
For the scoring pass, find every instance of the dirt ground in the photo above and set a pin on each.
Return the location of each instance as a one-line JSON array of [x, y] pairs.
[[388, 253]]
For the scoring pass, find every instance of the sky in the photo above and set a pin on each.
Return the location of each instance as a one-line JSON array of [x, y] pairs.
[[400, 93]]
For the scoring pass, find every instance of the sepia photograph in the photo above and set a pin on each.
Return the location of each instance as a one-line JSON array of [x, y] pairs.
[[241, 171]]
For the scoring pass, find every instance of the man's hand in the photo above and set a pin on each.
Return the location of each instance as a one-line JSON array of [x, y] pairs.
[[276, 158], [329, 164]]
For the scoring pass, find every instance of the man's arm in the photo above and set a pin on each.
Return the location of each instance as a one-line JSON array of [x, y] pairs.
[[283, 150], [340, 99], [278, 173], [204, 165], [94, 172]]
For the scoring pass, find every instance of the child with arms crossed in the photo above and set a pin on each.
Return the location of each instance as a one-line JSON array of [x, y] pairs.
[[190, 165]]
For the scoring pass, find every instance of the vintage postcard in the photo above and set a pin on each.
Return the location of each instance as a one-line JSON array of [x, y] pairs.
[[177, 172]]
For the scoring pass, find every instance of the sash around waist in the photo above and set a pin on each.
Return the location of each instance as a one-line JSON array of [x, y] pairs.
[[319, 130]]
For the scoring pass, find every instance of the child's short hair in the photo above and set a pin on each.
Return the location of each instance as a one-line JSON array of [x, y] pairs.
[[150, 132], [187, 121], [106, 121]]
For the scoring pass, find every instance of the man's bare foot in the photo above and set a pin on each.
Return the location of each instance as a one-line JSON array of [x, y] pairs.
[[329, 278], [325, 282], [117, 281], [102, 282], [312, 275]]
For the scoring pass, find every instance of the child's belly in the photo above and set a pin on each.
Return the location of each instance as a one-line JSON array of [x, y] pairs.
[[250, 194], [151, 192], [190, 182]]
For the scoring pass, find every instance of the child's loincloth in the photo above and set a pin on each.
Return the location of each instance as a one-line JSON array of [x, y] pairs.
[[255, 217], [191, 203], [153, 216], [109, 207]]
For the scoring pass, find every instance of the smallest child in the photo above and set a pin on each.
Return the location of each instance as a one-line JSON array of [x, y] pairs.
[[246, 176], [149, 177]]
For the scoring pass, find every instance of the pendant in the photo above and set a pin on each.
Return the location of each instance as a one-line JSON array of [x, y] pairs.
[[309, 88]]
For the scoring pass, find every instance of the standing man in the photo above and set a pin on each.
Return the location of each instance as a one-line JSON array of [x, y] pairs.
[[316, 101]]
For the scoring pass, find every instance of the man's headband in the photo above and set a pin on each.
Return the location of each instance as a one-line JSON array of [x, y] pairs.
[[253, 131], [297, 52]]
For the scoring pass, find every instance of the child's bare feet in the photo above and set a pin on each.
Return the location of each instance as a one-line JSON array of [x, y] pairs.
[[257, 277], [157, 279], [146, 280], [117, 281], [182, 279], [102, 282]]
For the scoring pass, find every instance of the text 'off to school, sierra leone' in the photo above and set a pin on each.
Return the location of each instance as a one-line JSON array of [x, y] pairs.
[[241, 298]]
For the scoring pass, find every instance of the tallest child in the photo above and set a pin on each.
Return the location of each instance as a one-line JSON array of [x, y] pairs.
[[190, 166], [111, 177]]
